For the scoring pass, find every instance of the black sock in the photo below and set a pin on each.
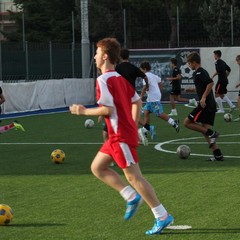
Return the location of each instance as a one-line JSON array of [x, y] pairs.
[[147, 126], [217, 154], [209, 132]]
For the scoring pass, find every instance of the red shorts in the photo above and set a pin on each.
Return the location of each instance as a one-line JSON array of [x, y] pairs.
[[123, 154]]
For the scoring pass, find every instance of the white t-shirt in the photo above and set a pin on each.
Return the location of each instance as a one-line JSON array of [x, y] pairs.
[[154, 93]]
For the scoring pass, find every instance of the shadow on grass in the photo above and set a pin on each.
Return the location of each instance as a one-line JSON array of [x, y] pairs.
[[37, 225], [204, 231]]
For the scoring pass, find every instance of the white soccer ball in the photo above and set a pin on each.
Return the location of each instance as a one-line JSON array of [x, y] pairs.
[[186, 71], [227, 117], [89, 123], [183, 151]]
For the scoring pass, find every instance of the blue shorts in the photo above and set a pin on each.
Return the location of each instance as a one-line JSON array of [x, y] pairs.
[[154, 107]]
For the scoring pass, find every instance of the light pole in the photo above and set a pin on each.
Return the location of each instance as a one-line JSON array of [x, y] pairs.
[[85, 39]]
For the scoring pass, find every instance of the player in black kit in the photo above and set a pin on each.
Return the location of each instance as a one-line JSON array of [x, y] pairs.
[[202, 117]]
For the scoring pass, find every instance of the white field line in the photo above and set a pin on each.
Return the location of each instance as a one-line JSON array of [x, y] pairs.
[[97, 143], [52, 143], [159, 146]]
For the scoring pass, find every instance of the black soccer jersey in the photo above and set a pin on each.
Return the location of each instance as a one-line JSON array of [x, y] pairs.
[[201, 80], [176, 84], [221, 68], [129, 72]]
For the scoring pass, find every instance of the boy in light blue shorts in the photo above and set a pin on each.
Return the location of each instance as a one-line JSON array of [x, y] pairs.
[[153, 104]]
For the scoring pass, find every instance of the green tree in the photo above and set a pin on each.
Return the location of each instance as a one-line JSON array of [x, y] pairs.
[[105, 19], [216, 17], [44, 20], [185, 8]]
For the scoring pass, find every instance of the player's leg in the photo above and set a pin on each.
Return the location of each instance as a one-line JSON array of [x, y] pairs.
[[100, 169], [197, 116], [238, 104], [180, 99], [173, 105], [158, 112], [142, 132], [146, 121], [226, 98], [15, 125], [218, 97], [6, 128], [145, 189], [217, 153]]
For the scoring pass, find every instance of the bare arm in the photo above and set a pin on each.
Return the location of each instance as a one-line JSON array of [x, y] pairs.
[[215, 74], [136, 110], [178, 77], [205, 94], [144, 89], [146, 81], [160, 85], [78, 109]]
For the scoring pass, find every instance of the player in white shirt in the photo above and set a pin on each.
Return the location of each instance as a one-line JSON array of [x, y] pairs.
[[153, 104]]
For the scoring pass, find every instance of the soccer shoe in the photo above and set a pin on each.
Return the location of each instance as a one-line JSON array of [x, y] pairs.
[[159, 225], [193, 102], [232, 108], [18, 126], [220, 111], [152, 132], [132, 207], [172, 114], [216, 158], [142, 137], [213, 138], [236, 119], [176, 125]]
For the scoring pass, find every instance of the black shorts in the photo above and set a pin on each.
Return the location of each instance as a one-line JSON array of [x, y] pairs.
[[221, 88], [200, 115], [175, 92], [239, 93]]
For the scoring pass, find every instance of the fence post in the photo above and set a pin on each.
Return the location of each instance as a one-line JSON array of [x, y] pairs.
[[73, 60], [50, 60], [23, 30], [1, 76], [124, 28], [26, 57], [232, 25], [178, 37]]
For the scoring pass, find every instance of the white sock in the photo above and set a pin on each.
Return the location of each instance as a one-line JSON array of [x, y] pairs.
[[128, 193], [160, 212], [171, 121], [226, 99], [219, 103]]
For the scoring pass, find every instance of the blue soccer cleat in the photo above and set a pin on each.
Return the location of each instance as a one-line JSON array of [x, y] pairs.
[[159, 225], [132, 207], [152, 132]]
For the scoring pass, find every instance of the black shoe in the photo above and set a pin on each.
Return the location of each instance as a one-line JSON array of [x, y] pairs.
[[213, 138], [176, 125], [215, 158]]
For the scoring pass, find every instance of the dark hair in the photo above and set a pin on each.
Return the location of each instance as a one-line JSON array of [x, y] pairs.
[[174, 61], [218, 53], [194, 57], [145, 65], [111, 47], [124, 53], [237, 57]]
